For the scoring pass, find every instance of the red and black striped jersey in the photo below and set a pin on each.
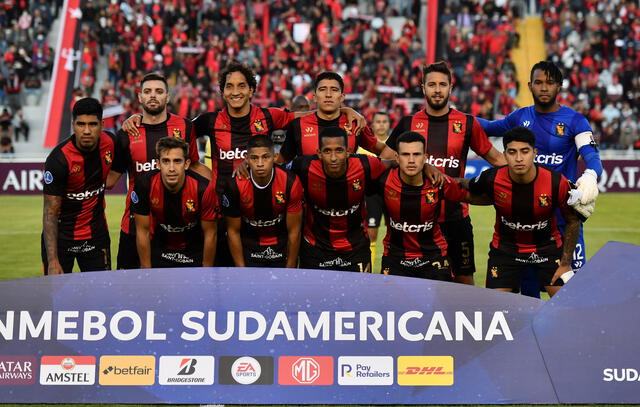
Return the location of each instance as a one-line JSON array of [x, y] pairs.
[[79, 178], [525, 220], [136, 154], [303, 136], [411, 214], [263, 209], [334, 207], [448, 139], [175, 217], [230, 135]]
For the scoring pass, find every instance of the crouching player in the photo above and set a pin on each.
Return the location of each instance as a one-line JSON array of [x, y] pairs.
[[176, 211], [263, 212], [525, 196]]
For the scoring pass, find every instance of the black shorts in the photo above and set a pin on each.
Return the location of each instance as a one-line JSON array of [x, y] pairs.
[[374, 206], [223, 254], [459, 237], [128, 258], [166, 258], [312, 257], [504, 270], [92, 254], [436, 268], [265, 256]]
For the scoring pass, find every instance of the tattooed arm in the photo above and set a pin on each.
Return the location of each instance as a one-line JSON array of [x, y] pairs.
[[52, 205]]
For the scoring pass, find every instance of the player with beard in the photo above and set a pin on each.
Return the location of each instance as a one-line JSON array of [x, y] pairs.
[[74, 226], [561, 135], [526, 196], [414, 245], [176, 211], [263, 212], [449, 134], [135, 154]]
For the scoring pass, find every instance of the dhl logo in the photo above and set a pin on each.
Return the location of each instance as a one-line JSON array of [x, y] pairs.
[[425, 370]]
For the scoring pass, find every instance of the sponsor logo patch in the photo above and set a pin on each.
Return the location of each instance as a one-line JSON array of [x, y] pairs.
[[48, 177], [246, 370], [17, 370], [305, 370], [425, 370], [365, 370], [67, 370], [186, 370], [127, 370]]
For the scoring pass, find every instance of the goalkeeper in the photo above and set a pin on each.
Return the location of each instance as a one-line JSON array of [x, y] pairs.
[[561, 135]]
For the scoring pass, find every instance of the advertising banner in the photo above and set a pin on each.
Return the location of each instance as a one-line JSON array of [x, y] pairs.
[[252, 336]]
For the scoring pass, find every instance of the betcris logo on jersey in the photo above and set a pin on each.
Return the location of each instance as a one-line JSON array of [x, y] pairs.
[[450, 162], [146, 167], [236, 154], [549, 159]]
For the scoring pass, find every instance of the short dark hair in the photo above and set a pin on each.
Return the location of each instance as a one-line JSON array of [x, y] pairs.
[[88, 106], [169, 143], [519, 134], [333, 132], [382, 113], [153, 76], [550, 69], [261, 140], [439, 66], [329, 75], [300, 103], [410, 137], [247, 72]]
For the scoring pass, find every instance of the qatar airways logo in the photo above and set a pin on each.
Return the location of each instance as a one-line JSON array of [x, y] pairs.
[[338, 212], [406, 227], [522, 227], [146, 167], [81, 196], [236, 154], [450, 162], [264, 223], [548, 159], [178, 229]]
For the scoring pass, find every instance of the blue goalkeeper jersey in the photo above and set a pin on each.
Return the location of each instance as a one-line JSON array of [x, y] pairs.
[[560, 137]]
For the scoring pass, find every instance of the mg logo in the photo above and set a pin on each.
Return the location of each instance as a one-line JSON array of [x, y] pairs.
[[305, 370]]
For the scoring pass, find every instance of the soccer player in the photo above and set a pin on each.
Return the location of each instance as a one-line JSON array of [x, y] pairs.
[[561, 135], [414, 245], [449, 134], [74, 225], [303, 133], [334, 182], [135, 154], [176, 211], [263, 212], [525, 196]]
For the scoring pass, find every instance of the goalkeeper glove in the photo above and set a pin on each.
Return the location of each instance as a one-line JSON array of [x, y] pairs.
[[588, 185], [583, 210]]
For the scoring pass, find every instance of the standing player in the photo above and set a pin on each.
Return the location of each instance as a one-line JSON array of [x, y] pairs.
[[135, 154], [74, 224], [175, 211], [414, 245], [525, 196], [449, 134], [263, 212], [334, 233], [303, 133], [561, 135]]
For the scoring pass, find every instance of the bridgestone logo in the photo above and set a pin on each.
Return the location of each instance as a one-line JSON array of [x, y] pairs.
[[236, 154], [185, 380], [338, 212], [450, 162], [406, 227], [81, 196], [520, 227]]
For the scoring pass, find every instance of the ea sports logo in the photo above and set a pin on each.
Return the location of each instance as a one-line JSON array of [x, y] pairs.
[[246, 370], [305, 370]]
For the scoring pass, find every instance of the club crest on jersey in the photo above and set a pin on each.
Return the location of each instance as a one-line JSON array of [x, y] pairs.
[[356, 185], [457, 127], [280, 197], [177, 133], [494, 272], [560, 128], [430, 196], [190, 206], [155, 202], [108, 158], [543, 200], [347, 128], [258, 125]]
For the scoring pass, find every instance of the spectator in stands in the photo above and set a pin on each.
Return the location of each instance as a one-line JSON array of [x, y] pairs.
[[20, 126]]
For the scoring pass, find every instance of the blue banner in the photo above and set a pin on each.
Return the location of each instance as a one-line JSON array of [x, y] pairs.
[[251, 336]]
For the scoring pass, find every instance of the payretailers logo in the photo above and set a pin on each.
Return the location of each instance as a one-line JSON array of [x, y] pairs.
[[425, 370], [365, 370], [127, 370]]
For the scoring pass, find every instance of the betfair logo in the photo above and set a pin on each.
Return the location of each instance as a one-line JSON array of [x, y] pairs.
[[425, 370], [127, 370]]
